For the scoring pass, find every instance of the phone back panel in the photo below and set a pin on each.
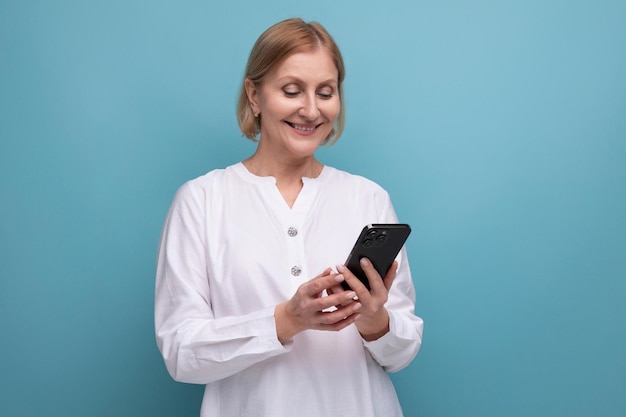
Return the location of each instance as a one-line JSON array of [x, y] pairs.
[[380, 243]]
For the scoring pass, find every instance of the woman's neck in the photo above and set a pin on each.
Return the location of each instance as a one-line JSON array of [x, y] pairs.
[[284, 171], [288, 175]]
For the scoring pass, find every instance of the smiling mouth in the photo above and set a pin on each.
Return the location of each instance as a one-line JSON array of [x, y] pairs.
[[302, 127]]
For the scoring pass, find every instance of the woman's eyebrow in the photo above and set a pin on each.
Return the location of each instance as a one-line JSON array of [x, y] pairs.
[[293, 78]]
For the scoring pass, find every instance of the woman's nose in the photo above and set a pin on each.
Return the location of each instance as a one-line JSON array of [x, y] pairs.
[[309, 109]]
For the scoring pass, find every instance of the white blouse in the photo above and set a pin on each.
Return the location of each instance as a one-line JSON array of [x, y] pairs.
[[231, 250]]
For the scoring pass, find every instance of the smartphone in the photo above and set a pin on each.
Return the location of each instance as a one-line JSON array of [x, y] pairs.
[[380, 243]]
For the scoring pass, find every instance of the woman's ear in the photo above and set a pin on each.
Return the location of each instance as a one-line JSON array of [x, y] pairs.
[[252, 93]]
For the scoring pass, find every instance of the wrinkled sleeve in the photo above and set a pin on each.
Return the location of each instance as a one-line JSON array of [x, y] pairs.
[[196, 346], [396, 349]]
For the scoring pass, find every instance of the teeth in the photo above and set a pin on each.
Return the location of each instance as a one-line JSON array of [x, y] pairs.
[[305, 129]]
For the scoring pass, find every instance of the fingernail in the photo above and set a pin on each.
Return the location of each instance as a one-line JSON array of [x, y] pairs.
[[351, 295], [339, 278], [340, 269], [364, 262]]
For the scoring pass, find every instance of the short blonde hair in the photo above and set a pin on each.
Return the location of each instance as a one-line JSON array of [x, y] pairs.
[[274, 46]]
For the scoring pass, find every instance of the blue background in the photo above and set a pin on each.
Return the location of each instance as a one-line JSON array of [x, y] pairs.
[[498, 127]]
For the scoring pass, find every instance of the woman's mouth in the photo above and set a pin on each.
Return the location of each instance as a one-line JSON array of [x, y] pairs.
[[303, 128]]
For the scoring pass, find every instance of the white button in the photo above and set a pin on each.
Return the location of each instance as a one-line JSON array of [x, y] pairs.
[[296, 271], [292, 232]]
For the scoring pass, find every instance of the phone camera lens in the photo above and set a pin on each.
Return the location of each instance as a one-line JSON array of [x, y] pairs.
[[368, 242], [381, 238]]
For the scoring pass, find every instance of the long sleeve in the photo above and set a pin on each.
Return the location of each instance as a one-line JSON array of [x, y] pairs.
[[198, 347], [396, 349]]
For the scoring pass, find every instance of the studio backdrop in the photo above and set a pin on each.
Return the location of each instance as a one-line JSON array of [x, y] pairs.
[[498, 128]]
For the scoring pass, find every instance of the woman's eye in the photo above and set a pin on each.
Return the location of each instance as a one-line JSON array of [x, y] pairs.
[[291, 93], [325, 94]]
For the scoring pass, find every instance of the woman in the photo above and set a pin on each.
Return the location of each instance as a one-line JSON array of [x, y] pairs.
[[236, 307]]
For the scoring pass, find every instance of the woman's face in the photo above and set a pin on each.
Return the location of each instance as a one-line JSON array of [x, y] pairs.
[[298, 103]]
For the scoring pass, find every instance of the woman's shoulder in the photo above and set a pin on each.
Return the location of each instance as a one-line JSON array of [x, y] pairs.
[[206, 178], [214, 176], [356, 190], [205, 184], [338, 176]]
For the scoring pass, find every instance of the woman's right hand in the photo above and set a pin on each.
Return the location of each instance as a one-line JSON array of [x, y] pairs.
[[310, 308]]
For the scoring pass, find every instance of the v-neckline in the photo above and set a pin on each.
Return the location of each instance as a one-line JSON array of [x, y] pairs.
[[305, 195]]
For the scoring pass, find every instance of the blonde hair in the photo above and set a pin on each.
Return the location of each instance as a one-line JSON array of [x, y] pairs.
[[274, 46]]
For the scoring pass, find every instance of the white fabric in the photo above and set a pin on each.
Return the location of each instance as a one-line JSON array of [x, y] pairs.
[[225, 261]]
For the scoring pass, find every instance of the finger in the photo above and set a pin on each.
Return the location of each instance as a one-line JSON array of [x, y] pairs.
[[354, 283], [312, 297], [327, 271], [334, 290], [324, 273], [340, 290], [336, 316], [337, 300], [376, 282], [315, 286], [391, 275], [341, 324], [349, 298]]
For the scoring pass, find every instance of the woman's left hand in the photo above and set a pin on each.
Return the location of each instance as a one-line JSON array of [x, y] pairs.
[[374, 320]]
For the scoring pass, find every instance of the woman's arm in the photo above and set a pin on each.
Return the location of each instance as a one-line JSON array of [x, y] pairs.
[[196, 346], [391, 331]]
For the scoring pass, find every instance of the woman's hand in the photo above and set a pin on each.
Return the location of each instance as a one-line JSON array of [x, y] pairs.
[[310, 309], [373, 322]]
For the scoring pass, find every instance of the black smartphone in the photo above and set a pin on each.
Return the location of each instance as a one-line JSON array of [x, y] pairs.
[[380, 243]]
